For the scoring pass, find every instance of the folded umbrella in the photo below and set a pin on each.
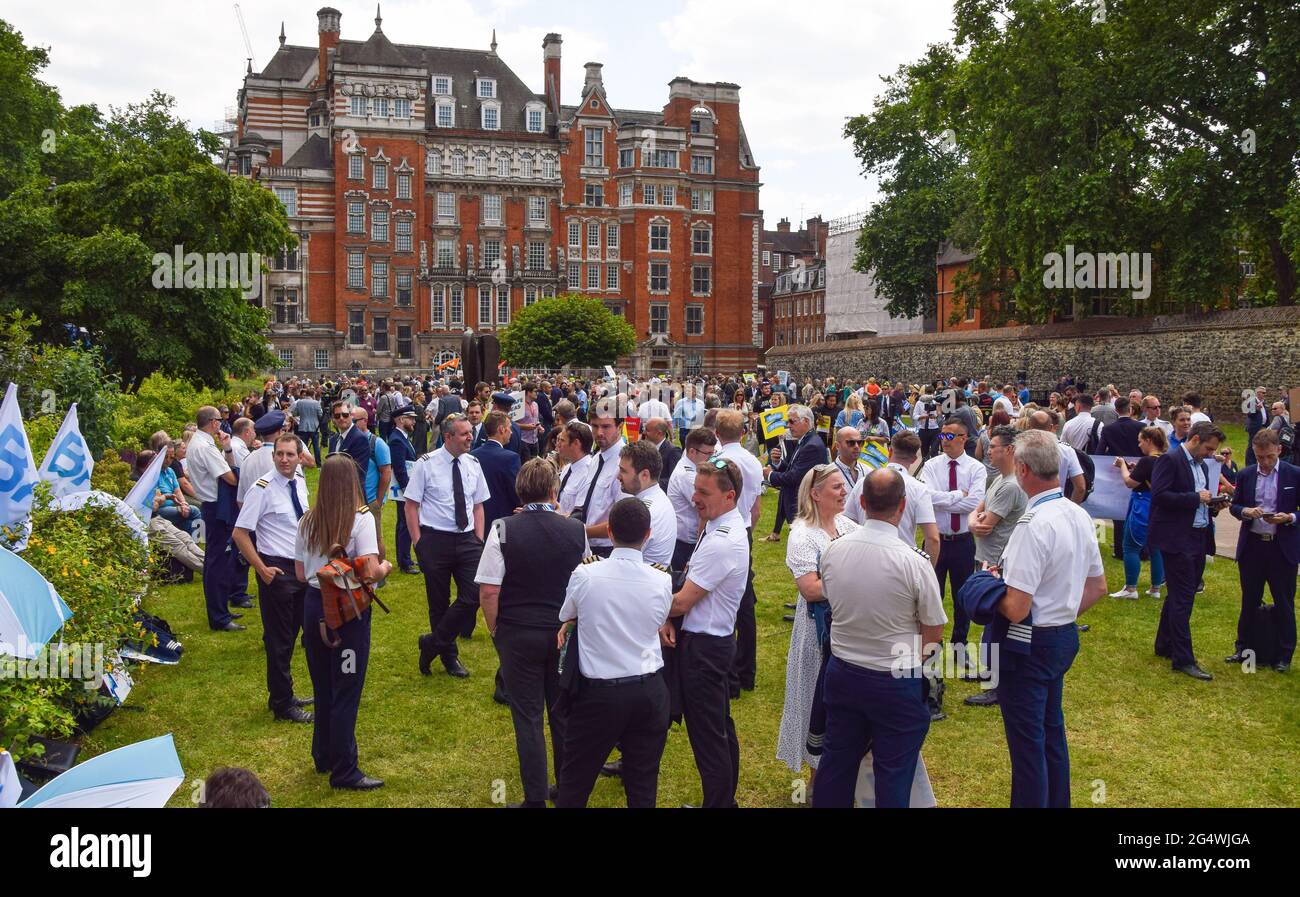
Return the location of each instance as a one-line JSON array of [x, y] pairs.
[[31, 611], [141, 775]]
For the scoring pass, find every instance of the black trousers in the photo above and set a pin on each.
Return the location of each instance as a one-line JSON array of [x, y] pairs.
[[929, 440], [956, 563], [783, 508], [443, 557], [281, 606], [529, 660], [705, 661], [633, 716], [338, 675], [1262, 564], [1183, 574], [682, 552], [218, 566], [746, 662], [1117, 550], [404, 561]]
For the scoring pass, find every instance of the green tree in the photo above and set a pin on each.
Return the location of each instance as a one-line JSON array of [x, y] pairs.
[[83, 215], [570, 329]]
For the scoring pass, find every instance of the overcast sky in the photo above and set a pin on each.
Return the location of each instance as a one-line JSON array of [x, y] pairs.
[[803, 67]]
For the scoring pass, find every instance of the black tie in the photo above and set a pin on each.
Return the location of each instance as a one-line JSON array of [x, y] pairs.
[[565, 481], [293, 496], [458, 492]]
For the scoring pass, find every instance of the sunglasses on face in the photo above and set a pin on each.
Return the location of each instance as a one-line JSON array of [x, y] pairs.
[[341, 415], [854, 441], [948, 437]]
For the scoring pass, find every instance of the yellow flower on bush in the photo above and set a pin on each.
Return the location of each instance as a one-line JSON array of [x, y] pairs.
[[84, 562], [51, 550]]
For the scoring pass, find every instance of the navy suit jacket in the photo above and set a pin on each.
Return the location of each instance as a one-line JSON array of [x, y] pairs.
[[810, 452], [1288, 490], [402, 451], [514, 445], [1120, 438], [500, 467], [1173, 505], [357, 445], [669, 454]]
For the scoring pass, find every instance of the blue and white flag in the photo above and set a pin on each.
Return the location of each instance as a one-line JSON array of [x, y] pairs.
[[17, 467], [140, 498], [145, 774], [31, 611], [68, 463]]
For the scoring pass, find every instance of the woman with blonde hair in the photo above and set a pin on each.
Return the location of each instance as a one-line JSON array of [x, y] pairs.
[[852, 413], [820, 519], [340, 520]]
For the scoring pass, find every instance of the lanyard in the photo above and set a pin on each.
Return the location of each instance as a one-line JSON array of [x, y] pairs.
[[1051, 496]]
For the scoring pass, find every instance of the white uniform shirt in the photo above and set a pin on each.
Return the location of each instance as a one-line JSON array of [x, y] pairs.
[[663, 526], [430, 484], [918, 510], [720, 566], [876, 619], [1051, 554], [681, 488], [653, 408], [239, 451], [574, 480], [268, 512], [362, 541], [206, 462], [258, 464], [971, 477], [1070, 466], [1078, 430], [619, 603], [492, 562], [751, 473], [607, 491], [853, 475]]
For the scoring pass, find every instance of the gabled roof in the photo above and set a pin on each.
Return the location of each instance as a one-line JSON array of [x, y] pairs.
[[950, 254], [378, 50], [789, 241], [315, 153], [289, 63], [512, 93]]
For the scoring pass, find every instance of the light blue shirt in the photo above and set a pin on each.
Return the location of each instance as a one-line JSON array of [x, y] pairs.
[[378, 458], [1266, 497], [1198, 480], [688, 414]]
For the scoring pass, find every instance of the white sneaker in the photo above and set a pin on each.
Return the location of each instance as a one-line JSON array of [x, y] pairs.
[[1154, 591], [1125, 593]]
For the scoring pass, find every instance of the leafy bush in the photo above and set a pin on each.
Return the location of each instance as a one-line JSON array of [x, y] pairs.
[[164, 404], [112, 475]]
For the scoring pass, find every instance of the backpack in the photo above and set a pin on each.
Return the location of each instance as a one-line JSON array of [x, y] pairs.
[[1089, 474], [1094, 437], [1264, 634], [345, 593], [1286, 434]]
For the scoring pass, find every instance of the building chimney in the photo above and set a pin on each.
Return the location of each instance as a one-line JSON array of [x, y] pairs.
[[551, 71], [327, 28], [783, 226], [593, 78]]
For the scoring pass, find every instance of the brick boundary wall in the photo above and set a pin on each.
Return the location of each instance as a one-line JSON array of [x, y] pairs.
[[1217, 354]]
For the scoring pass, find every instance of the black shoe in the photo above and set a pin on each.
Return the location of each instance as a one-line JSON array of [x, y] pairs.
[[612, 768], [501, 697], [1282, 666], [1235, 657], [241, 602], [987, 698], [1200, 588], [1084, 627], [427, 654], [303, 702], [235, 616], [1194, 671], [454, 667], [791, 606], [411, 570], [232, 626], [789, 618], [365, 783], [295, 715], [936, 715]]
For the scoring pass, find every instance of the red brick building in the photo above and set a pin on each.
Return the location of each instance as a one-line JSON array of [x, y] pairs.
[[432, 191], [781, 249]]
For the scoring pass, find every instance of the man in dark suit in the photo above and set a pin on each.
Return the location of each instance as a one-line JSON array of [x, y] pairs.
[[500, 467], [657, 431], [503, 402], [1268, 547], [808, 452], [447, 404], [402, 452], [1256, 409], [349, 439], [1180, 529], [1120, 437]]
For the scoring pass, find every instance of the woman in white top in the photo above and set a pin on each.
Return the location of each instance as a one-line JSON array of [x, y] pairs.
[[339, 517], [820, 519]]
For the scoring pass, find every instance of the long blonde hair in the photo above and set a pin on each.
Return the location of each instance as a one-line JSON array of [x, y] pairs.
[[328, 523], [853, 402], [808, 511]]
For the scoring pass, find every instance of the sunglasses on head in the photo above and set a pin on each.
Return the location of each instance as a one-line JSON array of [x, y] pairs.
[[721, 464]]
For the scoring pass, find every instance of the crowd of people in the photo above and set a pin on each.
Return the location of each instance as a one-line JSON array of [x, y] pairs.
[[615, 574]]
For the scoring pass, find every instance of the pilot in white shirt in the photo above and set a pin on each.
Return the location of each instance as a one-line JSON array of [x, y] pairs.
[[603, 489]]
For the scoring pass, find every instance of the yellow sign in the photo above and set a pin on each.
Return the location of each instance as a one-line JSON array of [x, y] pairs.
[[773, 421]]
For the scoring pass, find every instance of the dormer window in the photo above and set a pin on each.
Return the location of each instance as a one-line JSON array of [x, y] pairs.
[[442, 85], [491, 117], [446, 114], [314, 120], [487, 88], [534, 118]]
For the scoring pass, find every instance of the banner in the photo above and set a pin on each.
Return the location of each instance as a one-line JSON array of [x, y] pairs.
[[140, 498], [874, 454], [824, 423], [68, 463], [17, 467], [1110, 495], [632, 429], [773, 422]]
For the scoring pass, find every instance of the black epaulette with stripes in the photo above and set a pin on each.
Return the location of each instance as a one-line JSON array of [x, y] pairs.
[[592, 558], [263, 483], [658, 566], [723, 529], [921, 553], [364, 509]]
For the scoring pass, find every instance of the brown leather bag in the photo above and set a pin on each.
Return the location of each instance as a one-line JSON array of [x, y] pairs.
[[345, 592]]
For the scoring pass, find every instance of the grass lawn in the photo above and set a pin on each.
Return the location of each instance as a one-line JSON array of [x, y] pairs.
[[1144, 735]]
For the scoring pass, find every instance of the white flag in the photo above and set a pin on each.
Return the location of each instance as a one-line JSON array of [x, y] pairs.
[[140, 498], [17, 467], [68, 463]]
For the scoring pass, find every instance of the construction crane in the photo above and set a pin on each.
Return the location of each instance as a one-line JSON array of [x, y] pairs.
[[248, 44]]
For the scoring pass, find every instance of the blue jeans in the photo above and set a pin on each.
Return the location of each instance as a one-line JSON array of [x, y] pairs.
[[1029, 693], [172, 514], [1133, 562]]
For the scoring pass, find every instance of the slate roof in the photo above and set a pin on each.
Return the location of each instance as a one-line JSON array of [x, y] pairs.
[[315, 153]]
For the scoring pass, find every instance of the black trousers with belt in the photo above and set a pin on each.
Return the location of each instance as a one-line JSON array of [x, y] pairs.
[[338, 675], [281, 606], [956, 563], [445, 556], [529, 663], [705, 664], [1183, 574], [632, 715], [745, 669], [1262, 564]]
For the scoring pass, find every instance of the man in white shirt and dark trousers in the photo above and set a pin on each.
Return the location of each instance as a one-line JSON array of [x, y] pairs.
[[1053, 572], [209, 464], [622, 699], [573, 445], [716, 580], [882, 626], [956, 482], [638, 473], [273, 505], [603, 488], [729, 427], [522, 576], [444, 513], [681, 492], [904, 449]]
